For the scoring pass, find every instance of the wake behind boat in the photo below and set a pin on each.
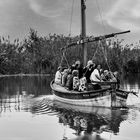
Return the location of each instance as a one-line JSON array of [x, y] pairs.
[[107, 94]]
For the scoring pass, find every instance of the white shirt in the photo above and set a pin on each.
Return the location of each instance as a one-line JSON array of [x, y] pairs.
[[58, 77], [93, 75]]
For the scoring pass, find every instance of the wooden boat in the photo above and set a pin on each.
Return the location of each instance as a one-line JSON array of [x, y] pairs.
[[105, 97]]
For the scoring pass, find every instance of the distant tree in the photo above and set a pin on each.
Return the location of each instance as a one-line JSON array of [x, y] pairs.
[[132, 66], [37, 54]]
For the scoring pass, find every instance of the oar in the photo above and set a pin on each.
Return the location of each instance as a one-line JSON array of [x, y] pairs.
[[135, 93]]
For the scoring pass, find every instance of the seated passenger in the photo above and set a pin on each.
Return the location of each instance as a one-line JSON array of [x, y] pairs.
[[83, 86], [78, 66], [105, 76], [58, 76], [88, 70], [76, 81], [64, 77], [69, 83], [95, 77], [112, 77]]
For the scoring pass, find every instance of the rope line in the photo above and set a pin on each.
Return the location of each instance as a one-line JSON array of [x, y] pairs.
[[95, 52], [71, 17], [63, 53], [66, 61], [100, 15], [101, 44], [64, 57]]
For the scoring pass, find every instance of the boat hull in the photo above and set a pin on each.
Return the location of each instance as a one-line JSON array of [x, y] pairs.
[[98, 98], [99, 101]]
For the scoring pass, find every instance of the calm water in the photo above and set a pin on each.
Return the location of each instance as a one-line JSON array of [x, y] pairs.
[[28, 112]]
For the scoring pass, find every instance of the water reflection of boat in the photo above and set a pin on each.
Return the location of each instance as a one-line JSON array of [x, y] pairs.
[[91, 119], [82, 119]]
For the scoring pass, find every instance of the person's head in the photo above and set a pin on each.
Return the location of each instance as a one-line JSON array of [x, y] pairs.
[[59, 69], [66, 71], [116, 74], [77, 63], [75, 73], [89, 63], [98, 67], [110, 74], [105, 72]]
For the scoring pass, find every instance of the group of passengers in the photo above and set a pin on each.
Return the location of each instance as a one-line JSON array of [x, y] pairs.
[[80, 78]]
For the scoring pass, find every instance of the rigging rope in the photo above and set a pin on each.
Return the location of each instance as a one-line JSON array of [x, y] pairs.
[[95, 53], [64, 57], [63, 53], [100, 42], [99, 10], [105, 56], [71, 17], [66, 61]]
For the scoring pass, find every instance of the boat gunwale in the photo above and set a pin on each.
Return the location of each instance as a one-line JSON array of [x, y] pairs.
[[76, 92]]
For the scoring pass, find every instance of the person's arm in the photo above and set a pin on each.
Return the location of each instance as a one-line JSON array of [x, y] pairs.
[[98, 77], [103, 77]]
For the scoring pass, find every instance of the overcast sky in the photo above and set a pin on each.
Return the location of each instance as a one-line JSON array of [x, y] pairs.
[[53, 16]]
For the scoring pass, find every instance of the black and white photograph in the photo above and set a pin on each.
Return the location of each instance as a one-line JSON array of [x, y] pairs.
[[69, 69]]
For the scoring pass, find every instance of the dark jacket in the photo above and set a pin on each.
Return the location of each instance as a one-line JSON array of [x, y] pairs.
[[80, 70], [69, 83], [87, 72]]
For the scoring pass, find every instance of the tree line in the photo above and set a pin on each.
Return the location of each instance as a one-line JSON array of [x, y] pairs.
[[41, 55]]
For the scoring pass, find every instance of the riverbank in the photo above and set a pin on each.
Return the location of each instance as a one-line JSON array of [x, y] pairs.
[[14, 75]]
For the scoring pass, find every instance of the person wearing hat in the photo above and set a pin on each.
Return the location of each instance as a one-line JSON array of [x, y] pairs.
[[96, 77], [88, 70], [69, 80], [78, 66]]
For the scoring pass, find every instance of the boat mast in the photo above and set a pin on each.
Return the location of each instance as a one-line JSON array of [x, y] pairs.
[[83, 30]]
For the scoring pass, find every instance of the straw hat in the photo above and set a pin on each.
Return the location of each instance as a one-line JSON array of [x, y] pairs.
[[89, 63], [59, 68], [77, 62]]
